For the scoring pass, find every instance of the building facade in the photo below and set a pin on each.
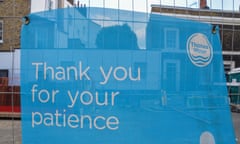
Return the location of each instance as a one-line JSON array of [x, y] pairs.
[[11, 13], [227, 21]]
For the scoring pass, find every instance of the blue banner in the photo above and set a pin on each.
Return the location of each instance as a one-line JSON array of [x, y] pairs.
[[92, 75]]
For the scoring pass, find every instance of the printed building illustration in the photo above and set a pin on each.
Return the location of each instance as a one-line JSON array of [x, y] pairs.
[[227, 21]]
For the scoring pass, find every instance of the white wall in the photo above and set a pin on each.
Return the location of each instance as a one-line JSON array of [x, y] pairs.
[[43, 5], [11, 61], [37, 5]]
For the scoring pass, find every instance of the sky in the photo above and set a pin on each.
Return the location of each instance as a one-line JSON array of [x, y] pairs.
[[145, 5]]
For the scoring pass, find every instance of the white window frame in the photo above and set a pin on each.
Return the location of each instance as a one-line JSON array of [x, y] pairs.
[[231, 64], [177, 64], [166, 30], [1, 31]]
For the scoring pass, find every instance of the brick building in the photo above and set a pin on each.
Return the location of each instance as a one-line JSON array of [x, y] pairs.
[[228, 22], [11, 13]]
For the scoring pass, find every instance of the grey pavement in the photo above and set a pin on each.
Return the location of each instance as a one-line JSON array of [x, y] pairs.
[[236, 122], [10, 130]]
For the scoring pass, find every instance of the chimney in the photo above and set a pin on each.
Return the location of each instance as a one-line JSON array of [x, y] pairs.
[[203, 4], [82, 9], [60, 3]]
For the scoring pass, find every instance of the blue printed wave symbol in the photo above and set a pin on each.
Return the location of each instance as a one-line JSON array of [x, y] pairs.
[[200, 58]]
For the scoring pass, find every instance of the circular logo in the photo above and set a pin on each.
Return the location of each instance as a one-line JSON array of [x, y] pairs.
[[199, 50]]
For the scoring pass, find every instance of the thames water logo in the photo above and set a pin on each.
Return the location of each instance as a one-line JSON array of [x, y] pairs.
[[199, 50]]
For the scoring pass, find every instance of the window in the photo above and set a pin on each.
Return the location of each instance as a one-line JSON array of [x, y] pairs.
[[3, 73], [171, 38], [3, 77], [1, 31], [171, 75]]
